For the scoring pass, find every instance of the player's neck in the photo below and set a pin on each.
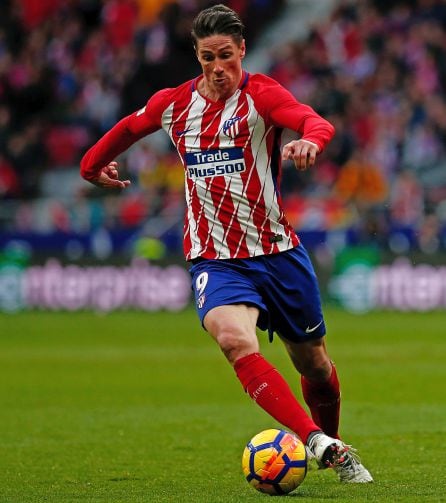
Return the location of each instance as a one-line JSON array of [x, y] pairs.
[[210, 92]]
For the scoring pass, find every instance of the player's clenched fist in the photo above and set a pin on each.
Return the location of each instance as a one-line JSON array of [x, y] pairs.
[[302, 152]]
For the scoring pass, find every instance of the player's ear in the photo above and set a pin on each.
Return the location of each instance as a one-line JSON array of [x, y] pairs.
[[195, 44], [242, 49]]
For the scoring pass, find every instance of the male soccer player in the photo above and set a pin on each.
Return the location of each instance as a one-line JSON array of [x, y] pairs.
[[248, 267]]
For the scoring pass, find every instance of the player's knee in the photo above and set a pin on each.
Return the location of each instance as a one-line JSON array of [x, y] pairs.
[[318, 371], [235, 344]]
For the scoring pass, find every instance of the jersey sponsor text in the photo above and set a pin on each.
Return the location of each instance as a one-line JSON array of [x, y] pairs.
[[217, 162]]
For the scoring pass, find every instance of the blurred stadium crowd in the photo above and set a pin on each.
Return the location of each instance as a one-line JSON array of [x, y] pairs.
[[69, 69]]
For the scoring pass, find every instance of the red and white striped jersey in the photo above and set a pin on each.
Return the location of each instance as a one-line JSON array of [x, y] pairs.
[[230, 151]]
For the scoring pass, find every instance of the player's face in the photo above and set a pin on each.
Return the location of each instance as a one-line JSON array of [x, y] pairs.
[[221, 60]]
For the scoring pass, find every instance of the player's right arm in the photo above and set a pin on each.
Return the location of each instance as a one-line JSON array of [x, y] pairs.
[[98, 165]]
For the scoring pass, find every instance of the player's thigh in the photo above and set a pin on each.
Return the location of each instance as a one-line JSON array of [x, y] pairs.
[[291, 292], [234, 329], [310, 358], [221, 283]]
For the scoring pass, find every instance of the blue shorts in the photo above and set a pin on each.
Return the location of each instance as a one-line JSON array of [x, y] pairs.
[[282, 286]]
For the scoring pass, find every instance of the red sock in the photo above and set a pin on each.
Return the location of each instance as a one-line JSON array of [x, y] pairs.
[[324, 401], [268, 388]]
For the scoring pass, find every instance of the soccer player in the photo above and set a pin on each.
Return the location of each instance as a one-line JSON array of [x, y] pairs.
[[248, 266]]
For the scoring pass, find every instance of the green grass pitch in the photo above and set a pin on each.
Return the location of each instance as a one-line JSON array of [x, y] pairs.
[[137, 407]]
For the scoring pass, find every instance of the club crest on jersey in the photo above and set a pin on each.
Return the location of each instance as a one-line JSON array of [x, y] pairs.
[[215, 162], [231, 127]]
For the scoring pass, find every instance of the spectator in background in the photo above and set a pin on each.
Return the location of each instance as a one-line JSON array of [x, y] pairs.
[[9, 182], [361, 182], [119, 19], [406, 198]]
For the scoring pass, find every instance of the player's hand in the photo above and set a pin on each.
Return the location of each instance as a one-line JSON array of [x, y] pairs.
[[108, 178], [302, 152]]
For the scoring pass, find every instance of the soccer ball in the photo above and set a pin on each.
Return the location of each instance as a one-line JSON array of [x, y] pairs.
[[275, 462]]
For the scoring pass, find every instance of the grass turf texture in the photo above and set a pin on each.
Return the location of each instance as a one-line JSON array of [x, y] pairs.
[[135, 407]]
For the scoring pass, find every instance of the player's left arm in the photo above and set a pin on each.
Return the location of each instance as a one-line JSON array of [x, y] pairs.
[[315, 131]]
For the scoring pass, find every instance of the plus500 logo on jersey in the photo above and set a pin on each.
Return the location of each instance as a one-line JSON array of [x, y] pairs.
[[216, 162]]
